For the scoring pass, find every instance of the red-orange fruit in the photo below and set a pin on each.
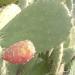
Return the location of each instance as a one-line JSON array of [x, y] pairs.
[[20, 52]]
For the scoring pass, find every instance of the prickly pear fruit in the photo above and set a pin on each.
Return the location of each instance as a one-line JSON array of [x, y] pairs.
[[20, 52]]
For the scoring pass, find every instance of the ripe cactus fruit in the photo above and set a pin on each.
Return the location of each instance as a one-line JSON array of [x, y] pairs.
[[20, 52]]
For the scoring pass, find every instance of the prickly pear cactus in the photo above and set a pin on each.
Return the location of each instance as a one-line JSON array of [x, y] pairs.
[[39, 25], [47, 24]]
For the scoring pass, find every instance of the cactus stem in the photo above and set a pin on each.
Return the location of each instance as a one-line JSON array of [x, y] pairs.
[[60, 57]]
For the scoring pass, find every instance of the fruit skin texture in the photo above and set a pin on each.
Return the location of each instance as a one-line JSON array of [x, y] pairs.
[[20, 52]]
